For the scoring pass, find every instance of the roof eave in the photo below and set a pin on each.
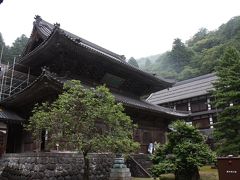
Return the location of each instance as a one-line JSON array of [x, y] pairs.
[[112, 56]]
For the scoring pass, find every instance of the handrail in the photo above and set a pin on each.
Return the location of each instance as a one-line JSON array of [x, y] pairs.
[[140, 166]]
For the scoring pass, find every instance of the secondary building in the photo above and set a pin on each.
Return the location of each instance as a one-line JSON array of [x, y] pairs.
[[192, 95]]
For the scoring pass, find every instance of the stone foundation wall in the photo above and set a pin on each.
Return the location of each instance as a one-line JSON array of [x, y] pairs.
[[54, 166]]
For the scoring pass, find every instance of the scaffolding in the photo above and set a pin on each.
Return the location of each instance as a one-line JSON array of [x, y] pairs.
[[13, 81]]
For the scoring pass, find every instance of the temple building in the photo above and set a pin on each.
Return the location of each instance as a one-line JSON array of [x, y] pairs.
[[53, 56], [192, 95]]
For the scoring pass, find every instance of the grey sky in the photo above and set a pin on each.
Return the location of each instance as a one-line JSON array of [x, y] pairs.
[[130, 27]]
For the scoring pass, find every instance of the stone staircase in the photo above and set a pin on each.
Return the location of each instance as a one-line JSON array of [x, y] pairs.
[[139, 165]]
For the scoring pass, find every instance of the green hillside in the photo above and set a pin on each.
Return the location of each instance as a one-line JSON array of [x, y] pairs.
[[198, 55], [8, 53], [142, 61]]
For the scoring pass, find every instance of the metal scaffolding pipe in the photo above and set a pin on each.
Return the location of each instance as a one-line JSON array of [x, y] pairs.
[[2, 86], [1, 54], [12, 76]]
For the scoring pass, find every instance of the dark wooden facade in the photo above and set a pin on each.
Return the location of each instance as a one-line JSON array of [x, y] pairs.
[[192, 95], [53, 56]]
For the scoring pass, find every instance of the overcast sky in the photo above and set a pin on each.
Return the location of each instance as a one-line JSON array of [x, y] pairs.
[[135, 28]]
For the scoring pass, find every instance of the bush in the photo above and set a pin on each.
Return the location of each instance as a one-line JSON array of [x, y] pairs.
[[185, 152]]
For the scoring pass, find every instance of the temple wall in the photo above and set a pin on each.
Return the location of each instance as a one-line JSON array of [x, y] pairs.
[[54, 166], [150, 130]]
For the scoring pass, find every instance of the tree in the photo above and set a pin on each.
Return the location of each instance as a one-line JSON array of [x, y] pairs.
[[87, 120], [180, 55], [147, 64], [2, 45], [184, 153], [227, 98], [199, 54], [133, 62], [201, 34], [188, 72], [4, 51], [18, 45], [9, 52]]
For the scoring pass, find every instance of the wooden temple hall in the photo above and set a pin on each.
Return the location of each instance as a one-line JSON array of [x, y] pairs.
[[51, 57]]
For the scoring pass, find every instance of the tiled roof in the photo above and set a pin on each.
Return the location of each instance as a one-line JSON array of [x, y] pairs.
[[125, 100], [184, 89], [6, 115], [46, 29], [142, 104]]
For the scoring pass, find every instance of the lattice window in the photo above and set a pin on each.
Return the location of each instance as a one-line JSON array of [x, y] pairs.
[[200, 105], [182, 107], [201, 123]]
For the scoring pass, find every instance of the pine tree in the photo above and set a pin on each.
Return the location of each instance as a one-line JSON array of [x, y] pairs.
[[227, 98], [9, 52], [133, 62], [180, 56], [18, 45]]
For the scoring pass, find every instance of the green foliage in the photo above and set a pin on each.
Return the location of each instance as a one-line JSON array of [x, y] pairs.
[[147, 64], [180, 56], [87, 120], [18, 45], [201, 34], [231, 28], [1, 40], [141, 61], [9, 52], [189, 72], [133, 62], [184, 153], [227, 91], [199, 55]]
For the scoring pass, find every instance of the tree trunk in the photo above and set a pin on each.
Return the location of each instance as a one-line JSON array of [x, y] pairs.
[[86, 167], [191, 174]]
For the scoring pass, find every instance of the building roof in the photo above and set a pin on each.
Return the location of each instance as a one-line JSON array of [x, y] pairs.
[[144, 105], [48, 82], [54, 37], [45, 29], [7, 115], [42, 88], [184, 89]]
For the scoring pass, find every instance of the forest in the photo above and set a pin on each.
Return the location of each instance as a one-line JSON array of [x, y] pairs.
[[197, 56], [8, 53]]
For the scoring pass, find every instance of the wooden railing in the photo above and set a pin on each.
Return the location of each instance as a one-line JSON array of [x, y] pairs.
[[136, 169]]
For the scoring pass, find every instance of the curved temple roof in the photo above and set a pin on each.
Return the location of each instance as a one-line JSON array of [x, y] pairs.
[[45, 30], [46, 37], [7, 115], [56, 83]]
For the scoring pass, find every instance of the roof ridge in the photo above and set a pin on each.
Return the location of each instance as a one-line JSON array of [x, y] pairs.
[[195, 79], [89, 44], [40, 22]]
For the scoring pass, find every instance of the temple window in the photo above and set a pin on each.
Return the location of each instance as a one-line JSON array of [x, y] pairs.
[[182, 106], [199, 105]]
